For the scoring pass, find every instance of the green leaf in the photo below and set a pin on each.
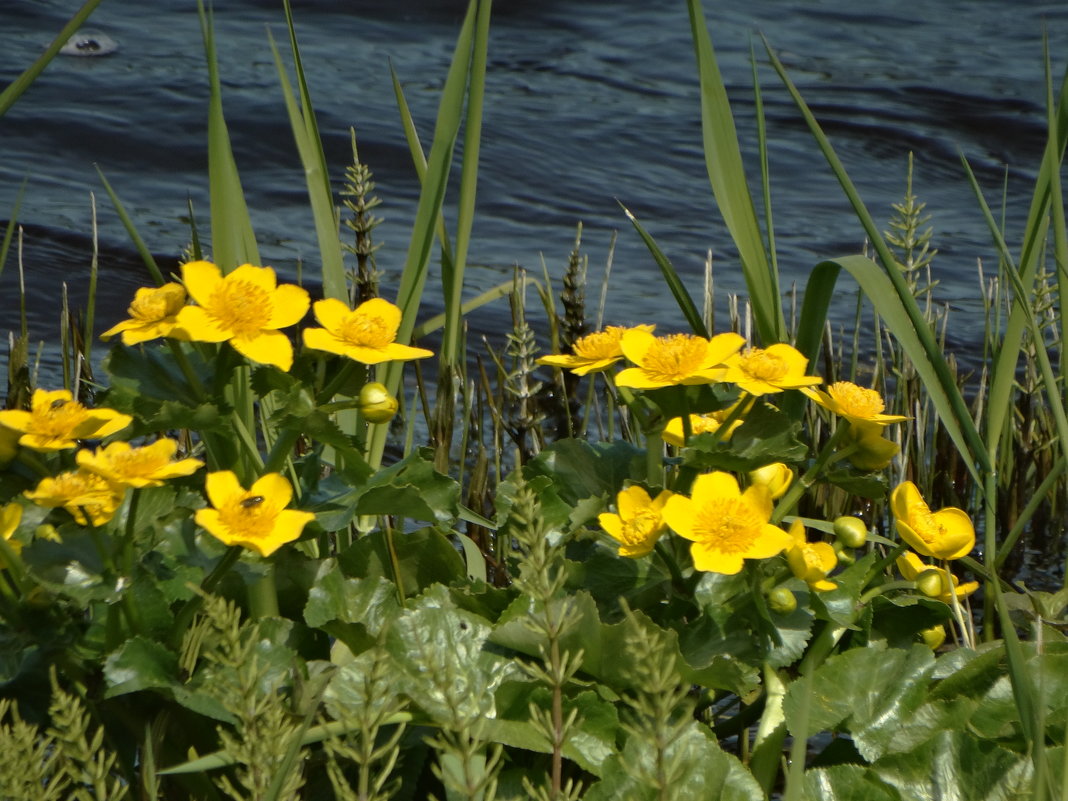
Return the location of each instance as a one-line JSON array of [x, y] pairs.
[[580, 469], [766, 436], [846, 783], [424, 557], [370, 601], [412, 488], [151, 370], [139, 664]]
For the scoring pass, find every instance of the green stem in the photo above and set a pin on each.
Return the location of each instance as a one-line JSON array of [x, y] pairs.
[[884, 588], [263, 594], [189, 608], [793, 495]]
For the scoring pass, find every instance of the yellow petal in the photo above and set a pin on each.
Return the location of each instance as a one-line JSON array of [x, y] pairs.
[[201, 279], [268, 347], [263, 277], [710, 560], [287, 527], [388, 313], [222, 487], [275, 488], [194, 323], [290, 305], [634, 343], [330, 313]]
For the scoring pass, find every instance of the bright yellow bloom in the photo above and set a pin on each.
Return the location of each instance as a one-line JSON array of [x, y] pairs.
[[640, 521], [153, 314], [55, 421], [911, 568], [776, 476], [761, 371], [594, 352], [707, 423], [873, 450], [245, 308], [945, 534], [10, 517], [811, 561], [255, 518], [90, 499], [675, 359], [364, 334], [856, 404], [726, 526], [147, 466]]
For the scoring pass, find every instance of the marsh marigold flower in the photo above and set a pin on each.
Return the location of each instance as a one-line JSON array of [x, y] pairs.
[[674, 359], [254, 518], [153, 314], [365, 334], [89, 498], [640, 521], [811, 561], [856, 404], [776, 477], [57, 421], [945, 534], [762, 371], [245, 308], [872, 450], [594, 352], [911, 568], [725, 525], [10, 517], [146, 466]]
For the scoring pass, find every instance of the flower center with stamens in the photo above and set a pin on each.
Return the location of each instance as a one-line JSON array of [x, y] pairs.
[[365, 330], [600, 344], [856, 401], [638, 529], [675, 357], [241, 307], [730, 525], [58, 419], [249, 518], [137, 461], [764, 366]]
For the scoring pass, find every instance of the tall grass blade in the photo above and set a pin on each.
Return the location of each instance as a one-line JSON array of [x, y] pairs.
[[232, 239], [316, 173], [723, 159], [15, 89], [12, 224], [678, 289], [908, 321], [131, 230]]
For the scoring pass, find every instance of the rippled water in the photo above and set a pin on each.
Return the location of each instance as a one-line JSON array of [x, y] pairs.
[[588, 102]]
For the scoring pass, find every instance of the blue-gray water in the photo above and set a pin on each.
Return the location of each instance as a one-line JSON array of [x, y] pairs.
[[587, 102]]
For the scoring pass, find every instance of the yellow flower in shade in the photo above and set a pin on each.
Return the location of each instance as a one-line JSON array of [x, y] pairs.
[[726, 525], [364, 334], [811, 561], [594, 352], [245, 308], [710, 422], [873, 450], [146, 466], [10, 517], [9, 445], [762, 371], [945, 534], [254, 518], [640, 521], [934, 636], [153, 314], [777, 477], [56, 421], [911, 568], [855, 404], [90, 499], [674, 359]]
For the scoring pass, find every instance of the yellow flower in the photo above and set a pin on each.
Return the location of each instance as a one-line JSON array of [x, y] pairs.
[[90, 499], [776, 477], [873, 450], [761, 371], [364, 334], [811, 561], [855, 404], [255, 518], [709, 422], [725, 525], [912, 568], [55, 421], [245, 308], [594, 352], [674, 359], [147, 466], [640, 521], [153, 314], [934, 636], [10, 517], [376, 404], [945, 534], [9, 444]]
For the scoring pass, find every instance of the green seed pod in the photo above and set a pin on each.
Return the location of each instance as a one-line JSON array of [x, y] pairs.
[[850, 531], [782, 601], [376, 404]]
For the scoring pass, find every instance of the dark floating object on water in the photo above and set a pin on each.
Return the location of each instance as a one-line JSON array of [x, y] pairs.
[[89, 43]]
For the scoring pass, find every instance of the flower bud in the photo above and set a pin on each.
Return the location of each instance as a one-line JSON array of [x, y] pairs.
[[776, 477], [850, 531], [376, 404], [934, 636], [844, 554], [782, 601], [931, 582], [48, 532]]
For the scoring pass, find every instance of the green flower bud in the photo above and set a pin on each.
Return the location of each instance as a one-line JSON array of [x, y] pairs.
[[850, 531], [782, 601], [844, 554], [376, 404], [931, 583]]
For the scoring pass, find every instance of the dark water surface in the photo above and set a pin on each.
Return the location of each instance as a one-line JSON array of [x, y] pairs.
[[587, 101]]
